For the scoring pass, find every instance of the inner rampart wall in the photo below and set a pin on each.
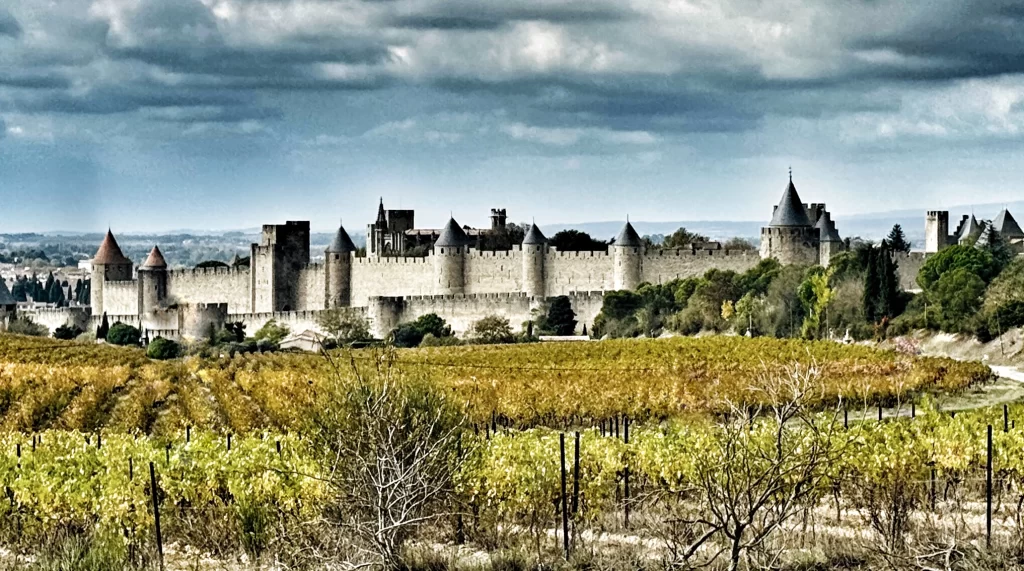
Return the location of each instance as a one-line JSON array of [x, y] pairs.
[[372, 277], [494, 272], [660, 266], [312, 292], [121, 297], [566, 272], [210, 285]]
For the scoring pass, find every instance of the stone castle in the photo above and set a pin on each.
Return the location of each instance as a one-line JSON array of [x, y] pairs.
[[459, 282]]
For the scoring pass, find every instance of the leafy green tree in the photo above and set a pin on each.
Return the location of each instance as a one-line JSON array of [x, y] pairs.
[[344, 325], [897, 240], [163, 349], [503, 239], [682, 238], [123, 334], [412, 334], [739, 245], [576, 241], [561, 319], [976, 261], [958, 294], [211, 264], [236, 331], [67, 332], [493, 329], [25, 326], [272, 333], [757, 279], [872, 285], [815, 295]]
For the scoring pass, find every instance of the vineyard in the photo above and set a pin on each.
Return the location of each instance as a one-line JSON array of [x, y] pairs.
[[253, 492], [47, 384]]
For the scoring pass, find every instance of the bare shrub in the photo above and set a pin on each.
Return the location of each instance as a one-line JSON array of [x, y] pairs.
[[387, 447]]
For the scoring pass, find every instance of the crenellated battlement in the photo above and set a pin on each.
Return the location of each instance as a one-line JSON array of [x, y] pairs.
[[699, 252], [393, 261], [216, 271]]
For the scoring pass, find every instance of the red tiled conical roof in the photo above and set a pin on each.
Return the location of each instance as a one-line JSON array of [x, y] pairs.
[[109, 252], [155, 259]]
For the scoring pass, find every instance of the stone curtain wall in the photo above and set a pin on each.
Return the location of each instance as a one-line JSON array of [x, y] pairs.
[[566, 272], [312, 293], [662, 266], [209, 285], [373, 277], [494, 272], [121, 297], [909, 266]]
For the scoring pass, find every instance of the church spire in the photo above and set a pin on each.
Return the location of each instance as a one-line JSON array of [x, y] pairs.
[[381, 221]]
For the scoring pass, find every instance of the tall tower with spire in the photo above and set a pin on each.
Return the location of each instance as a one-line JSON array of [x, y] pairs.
[[108, 265], [791, 236], [627, 255], [338, 263]]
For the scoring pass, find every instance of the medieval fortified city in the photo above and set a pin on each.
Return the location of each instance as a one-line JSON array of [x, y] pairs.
[[511, 285], [456, 279]]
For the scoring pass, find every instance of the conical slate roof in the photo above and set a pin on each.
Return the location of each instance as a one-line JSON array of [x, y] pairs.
[[452, 235], [628, 238], [987, 237], [969, 228], [534, 236], [155, 260], [5, 294], [827, 228], [110, 252], [1007, 226], [791, 211], [342, 243]]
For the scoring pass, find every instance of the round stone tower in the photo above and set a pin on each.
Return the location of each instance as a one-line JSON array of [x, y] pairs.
[[790, 237], [108, 265], [153, 281], [338, 264], [450, 259], [535, 247], [628, 251]]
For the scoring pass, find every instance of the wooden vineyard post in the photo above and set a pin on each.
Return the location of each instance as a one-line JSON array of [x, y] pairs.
[[188, 434], [625, 492], [879, 412], [1006, 418], [988, 489], [576, 478], [131, 469], [933, 488], [913, 409], [277, 443], [229, 442], [565, 506], [846, 419], [460, 529], [156, 515]]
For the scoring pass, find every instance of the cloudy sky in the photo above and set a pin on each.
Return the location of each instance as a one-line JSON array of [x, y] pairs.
[[163, 114]]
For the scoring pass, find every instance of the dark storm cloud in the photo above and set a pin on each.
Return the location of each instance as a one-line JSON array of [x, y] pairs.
[[34, 80], [493, 15], [9, 26], [122, 99]]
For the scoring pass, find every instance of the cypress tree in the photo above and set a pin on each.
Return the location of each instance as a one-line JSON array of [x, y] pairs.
[[56, 293], [871, 286], [48, 286], [104, 328]]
